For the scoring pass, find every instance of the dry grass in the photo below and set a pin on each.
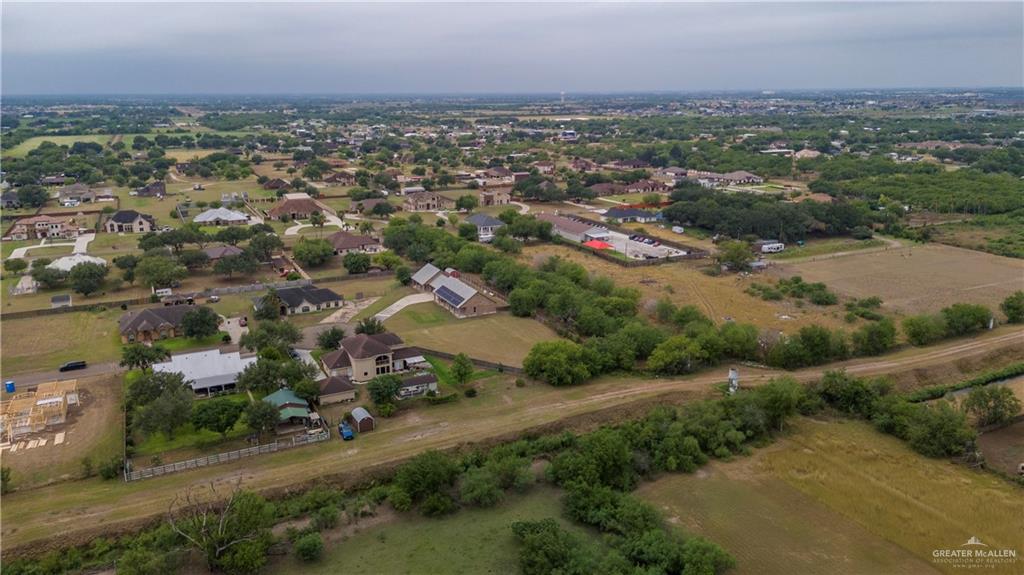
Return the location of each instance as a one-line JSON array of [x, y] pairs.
[[718, 297], [917, 279], [43, 343]]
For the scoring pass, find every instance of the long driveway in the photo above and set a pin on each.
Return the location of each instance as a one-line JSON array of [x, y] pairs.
[[79, 246], [403, 303]]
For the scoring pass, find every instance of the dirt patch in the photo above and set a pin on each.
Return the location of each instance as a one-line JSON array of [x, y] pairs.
[[1004, 447]]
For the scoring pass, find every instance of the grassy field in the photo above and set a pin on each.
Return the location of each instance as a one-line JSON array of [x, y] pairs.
[[998, 238], [916, 279], [43, 343], [188, 437], [838, 497], [683, 283], [826, 247], [500, 337], [471, 541], [22, 149]]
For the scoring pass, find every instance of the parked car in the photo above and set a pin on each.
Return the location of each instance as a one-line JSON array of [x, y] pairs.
[[213, 299], [73, 365], [345, 432]]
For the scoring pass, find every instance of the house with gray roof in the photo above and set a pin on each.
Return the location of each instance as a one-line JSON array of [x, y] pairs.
[[304, 299], [221, 217], [207, 372], [460, 298], [486, 226], [421, 279]]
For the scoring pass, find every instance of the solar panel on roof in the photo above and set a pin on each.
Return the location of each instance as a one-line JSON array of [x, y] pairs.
[[449, 296]]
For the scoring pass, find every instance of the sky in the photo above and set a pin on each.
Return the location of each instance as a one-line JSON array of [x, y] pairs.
[[354, 48]]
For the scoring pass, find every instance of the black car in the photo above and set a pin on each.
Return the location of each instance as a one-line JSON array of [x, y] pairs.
[[73, 365]]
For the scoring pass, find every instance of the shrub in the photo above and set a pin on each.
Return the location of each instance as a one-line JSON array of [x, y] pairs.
[[437, 504], [325, 518], [471, 392], [309, 547], [924, 329], [1013, 307]]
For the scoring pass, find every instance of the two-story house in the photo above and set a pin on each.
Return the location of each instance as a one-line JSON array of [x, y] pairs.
[[130, 222], [363, 357]]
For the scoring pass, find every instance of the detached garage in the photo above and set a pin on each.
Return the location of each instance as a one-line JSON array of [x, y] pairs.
[[336, 389]]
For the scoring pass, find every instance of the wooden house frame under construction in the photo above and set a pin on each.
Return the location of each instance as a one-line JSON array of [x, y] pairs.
[[35, 411]]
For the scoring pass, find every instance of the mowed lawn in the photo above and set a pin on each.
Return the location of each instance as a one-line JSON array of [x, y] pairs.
[[469, 542], [43, 343], [22, 149], [839, 497], [500, 337]]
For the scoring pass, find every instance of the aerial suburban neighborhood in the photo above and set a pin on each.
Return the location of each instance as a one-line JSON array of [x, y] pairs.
[[481, 308]]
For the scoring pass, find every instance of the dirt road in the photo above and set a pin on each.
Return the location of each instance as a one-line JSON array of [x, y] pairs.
[[83, 509]]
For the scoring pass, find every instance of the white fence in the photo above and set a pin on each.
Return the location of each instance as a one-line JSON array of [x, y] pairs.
[[198, 462]]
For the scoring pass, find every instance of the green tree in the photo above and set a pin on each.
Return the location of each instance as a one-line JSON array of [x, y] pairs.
[[263, 246], [874, 338], [310, 546], [330, 339], [557, 363], [676, 355], [924, 329], [312, 253], [5, 480], [87, 278], [270, 306], [736, 255], [780, 398], [403, 274], [370, 326], [383, 389], [219, 414], [992, 405], [159, 271], [232, 235], [48, 278], [279, 335], [462, 369], [150, 385], [939, 430], [356, 262], [200, 323], [387, 260], [1012, 306], [169, 411], [262, 417], [467, 203], [15, 265], [317, 220], [307, 389], [243, 263], [127, 266], [479, 487], [468, 231], [193, 259], [139, 356], [964, 318], [232, 536]]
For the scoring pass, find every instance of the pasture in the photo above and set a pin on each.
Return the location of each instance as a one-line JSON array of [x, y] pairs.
[[839, 497], [683, 283], [916, 278], [500, 337], [43, 343]]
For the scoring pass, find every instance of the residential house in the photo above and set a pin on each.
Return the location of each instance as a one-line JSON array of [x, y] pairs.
[[625, 165], [629, 215], [427, 202], [152, 323], [221, 217], [131, 222], [305, 299], [713, 179], [362, 420], [646, 187], [336, 389], [345, 242], [363, 357], [218, 252], [44, 226], [498, 172], [607, 189], [275, 184], [208, 372], [583, 165], [545, 167], [58, 180], [340, 179], [9, 200], [452, 293], [298, 206], [405, 191], [156, 189], [417, 385], [75, 194], [806, 154], [365, 206], [486, 226], [291, 409], [66, 263], [572, 229], [495, 197]]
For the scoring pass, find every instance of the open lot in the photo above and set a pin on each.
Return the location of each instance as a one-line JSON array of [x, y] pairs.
[[683, 283], [814, 502], [500, 337], [43, 343], [93, 431], [917, 279]]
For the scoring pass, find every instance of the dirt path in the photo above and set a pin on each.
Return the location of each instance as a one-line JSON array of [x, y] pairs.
[[84, 509]]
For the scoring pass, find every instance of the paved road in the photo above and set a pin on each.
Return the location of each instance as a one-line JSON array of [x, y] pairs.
[[94, 369], [85, 511]]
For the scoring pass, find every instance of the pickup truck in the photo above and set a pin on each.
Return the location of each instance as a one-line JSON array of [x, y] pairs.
[[345, 432]]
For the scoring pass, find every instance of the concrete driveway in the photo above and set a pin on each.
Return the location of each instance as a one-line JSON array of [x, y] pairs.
[[79, 246], [404, 303], [233, 328], [331, 221]]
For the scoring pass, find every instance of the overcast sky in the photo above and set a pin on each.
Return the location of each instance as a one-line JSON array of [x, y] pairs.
[[149, 48]]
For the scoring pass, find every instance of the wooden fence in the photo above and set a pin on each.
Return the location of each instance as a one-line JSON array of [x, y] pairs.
[[297, 440]]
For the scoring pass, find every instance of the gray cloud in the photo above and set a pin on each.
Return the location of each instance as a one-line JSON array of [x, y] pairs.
[[537, 47]]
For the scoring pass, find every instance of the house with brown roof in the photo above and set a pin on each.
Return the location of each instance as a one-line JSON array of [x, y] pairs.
[[363, 357], [345, 242], [583, 165], [453, 294], [44, 226], [545, 167], [298, 206], [75, 194], [218, 252], [340, 179], [495, 197], [153, 323], [623, 165], [336, 389], [427, 202], [156, 189], [572, 229], [276, 184], [607, 189], [646, 187], [365, 206]]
